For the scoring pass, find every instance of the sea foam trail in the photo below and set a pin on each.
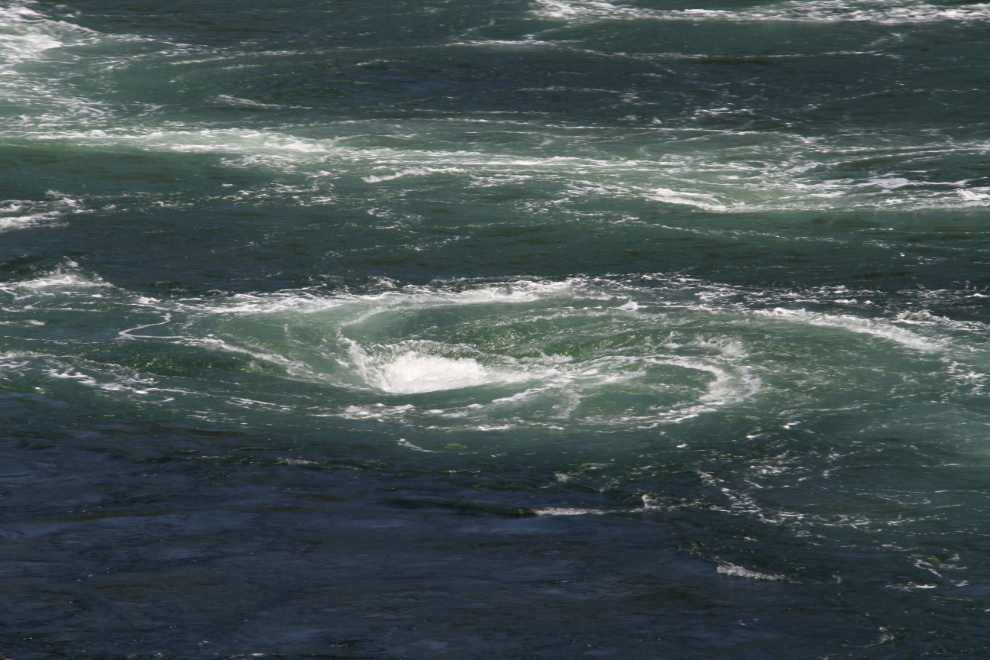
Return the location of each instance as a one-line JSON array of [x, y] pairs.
[[26, 34], [695, 169], [43, 60], [679, 162], [885, 12], [22, 214], [577, 354]]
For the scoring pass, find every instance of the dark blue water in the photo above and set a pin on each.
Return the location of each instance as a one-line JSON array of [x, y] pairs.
[[549, 329]]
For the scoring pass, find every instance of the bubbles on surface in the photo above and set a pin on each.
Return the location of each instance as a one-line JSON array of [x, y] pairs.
[[25, 34], [605, 355], [21, 214], [691, 168], [35, 71], [886, 12], [710, 159], [414, 373]]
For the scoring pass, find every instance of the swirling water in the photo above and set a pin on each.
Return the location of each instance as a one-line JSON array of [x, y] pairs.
[[504, 329]]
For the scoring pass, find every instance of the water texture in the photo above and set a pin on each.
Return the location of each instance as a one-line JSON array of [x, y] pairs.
[[504, 329]]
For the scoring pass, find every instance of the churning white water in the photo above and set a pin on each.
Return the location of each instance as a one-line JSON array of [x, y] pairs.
[[412, 373]]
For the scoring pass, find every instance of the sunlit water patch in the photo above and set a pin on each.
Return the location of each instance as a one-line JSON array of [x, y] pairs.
[[583, 355]]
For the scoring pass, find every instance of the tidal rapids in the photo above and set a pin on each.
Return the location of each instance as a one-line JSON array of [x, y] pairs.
[[507, 329]]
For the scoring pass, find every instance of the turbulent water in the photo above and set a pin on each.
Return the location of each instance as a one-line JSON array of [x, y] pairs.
[[502, 329]]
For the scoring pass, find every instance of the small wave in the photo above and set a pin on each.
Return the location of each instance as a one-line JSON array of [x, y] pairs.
[[51, 99], [505, 42], [22, 214], [26, 34], [412, 171], [708, 171], [237, 102], [600, 354], [699, 200], [226, 99], [886, 12], [738, 571], [68, 279], [414, 373], [876, 328]]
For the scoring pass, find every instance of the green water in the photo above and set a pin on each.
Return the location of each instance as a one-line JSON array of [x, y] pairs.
[[682, 307]]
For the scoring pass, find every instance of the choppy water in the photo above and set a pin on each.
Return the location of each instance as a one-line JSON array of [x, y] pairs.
[[497, 329]]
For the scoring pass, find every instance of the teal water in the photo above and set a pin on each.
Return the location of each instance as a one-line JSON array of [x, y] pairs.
[[502, 329]]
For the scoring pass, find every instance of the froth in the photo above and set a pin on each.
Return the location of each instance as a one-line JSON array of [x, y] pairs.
[[21, 214], [604, 354], [412, 373], [25, 34], [67, 280], [887, 12], [707, 170], [877, 328]]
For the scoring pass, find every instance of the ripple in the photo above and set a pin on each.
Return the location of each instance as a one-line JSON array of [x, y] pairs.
[[602, 355]]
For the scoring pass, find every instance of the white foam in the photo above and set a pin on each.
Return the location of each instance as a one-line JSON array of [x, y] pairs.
[[732, 385], [238, 102], [22, 214], [888, 183], [405, 443], [569, 511], [25, 34], [702, 201], [974, 194], [528, 41], [739, 571], [876, 328], [702, 169], [412, 367], [707, 170], [682, 359], [66, 279], [886, 12], [412, 373], [412, 171], [9, 223], [50, 101], [418, 297]]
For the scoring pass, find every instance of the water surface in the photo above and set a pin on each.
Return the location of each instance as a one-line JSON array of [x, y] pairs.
[[503, 329]]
